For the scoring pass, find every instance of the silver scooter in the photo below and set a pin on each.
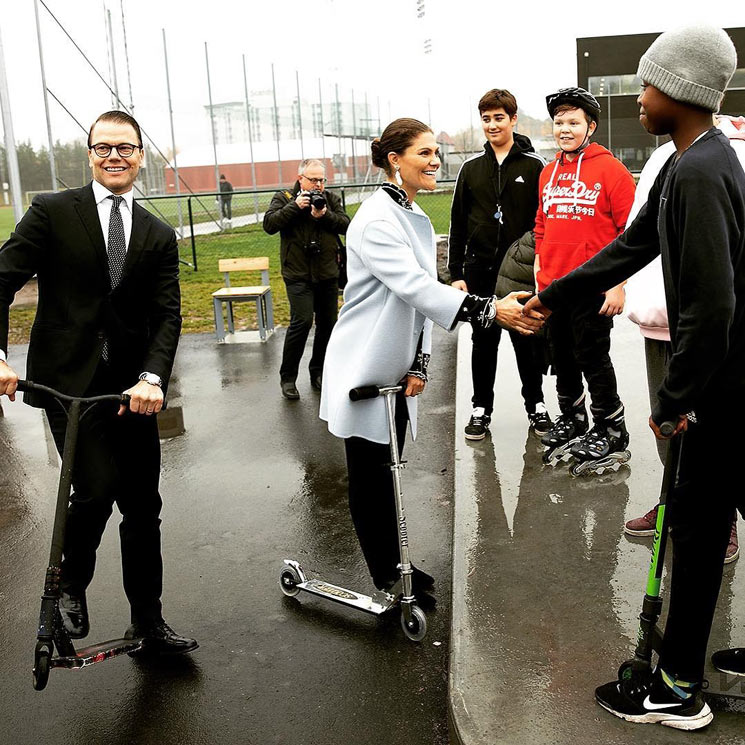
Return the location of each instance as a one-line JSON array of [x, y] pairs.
[[293, 580]]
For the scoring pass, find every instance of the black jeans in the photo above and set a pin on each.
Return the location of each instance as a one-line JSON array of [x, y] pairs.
[[226, 207], [306, 300], [485, 346], [701, 512], [372, 501], [580, 345], [117, 460]]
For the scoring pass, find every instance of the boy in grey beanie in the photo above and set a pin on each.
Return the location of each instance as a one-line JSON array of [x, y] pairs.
[[694, 217], [692, 65]]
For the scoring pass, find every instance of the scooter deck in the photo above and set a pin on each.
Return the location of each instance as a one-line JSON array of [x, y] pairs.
[[379, 603], [97, 653]]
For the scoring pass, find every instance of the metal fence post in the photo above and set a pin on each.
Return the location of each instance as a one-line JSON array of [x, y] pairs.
[[343, 199], [191, 230]]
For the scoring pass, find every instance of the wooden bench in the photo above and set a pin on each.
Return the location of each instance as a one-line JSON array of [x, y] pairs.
[[259, 294]]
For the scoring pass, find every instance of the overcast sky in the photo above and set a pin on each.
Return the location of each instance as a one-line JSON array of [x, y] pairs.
[[370, 47]]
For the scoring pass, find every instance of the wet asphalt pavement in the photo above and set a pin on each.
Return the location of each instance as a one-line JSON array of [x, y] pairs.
[[550, 588], [253, 479]]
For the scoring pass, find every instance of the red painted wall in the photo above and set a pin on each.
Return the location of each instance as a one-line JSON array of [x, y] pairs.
[[202, 178]]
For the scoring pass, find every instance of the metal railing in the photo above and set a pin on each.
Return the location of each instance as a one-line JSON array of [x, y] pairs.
[[199, 218]]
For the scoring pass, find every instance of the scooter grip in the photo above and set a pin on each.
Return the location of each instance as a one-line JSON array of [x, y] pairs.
[[125, 399], [24, 386], [667, 428], [364, 392]]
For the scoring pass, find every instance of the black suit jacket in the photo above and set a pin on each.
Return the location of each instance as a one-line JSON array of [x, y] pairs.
[[60, 240]]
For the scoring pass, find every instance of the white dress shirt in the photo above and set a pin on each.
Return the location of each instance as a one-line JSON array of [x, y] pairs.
[[103, 205]]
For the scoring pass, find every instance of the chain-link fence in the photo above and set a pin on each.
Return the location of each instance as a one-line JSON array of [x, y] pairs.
[[211, 229]]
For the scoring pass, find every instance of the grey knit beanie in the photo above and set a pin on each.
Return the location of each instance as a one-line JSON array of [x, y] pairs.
[[692, 65]]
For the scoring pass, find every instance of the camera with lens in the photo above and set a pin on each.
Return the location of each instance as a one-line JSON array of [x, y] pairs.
[[317, 199], [313, 248]]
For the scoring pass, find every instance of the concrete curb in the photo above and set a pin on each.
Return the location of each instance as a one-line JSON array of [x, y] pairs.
[[464, 540]]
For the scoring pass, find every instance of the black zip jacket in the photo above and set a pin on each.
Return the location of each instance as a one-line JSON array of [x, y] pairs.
[[308, 246], [695, 217], [484, 188]]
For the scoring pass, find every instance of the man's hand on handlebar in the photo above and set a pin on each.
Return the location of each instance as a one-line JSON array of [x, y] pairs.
[[8, 381], [144, 399]]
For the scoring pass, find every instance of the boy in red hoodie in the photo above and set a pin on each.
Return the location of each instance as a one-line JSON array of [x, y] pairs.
[[585, 198]]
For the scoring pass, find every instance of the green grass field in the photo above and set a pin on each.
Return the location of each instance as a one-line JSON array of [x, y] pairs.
[[7, 222], [197, 287]]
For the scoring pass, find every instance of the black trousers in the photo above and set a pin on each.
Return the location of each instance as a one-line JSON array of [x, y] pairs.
[[309, 299], [372, 501], [117, 461], [580, 345], [226, 207], [701, 512], [529, 353]]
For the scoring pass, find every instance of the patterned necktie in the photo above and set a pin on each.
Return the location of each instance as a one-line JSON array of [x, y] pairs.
[[117, 251], [116, 246]]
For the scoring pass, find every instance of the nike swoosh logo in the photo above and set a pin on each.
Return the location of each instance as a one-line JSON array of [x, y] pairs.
[[652, 707]]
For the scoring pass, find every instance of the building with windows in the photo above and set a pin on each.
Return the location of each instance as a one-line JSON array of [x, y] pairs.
[[606, 66], [290, 121]]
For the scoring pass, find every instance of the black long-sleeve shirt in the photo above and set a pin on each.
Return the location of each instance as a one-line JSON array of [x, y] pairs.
[[695, 217]]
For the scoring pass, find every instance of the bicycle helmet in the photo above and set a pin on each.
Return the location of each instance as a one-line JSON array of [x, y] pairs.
[[578, 98]]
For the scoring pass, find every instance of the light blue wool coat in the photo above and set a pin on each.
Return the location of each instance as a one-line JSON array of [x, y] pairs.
[[391, 296]]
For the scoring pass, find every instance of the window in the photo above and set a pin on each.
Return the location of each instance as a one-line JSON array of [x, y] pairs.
[[614, 85]]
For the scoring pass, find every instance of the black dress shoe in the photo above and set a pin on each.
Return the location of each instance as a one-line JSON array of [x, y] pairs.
[[315, 381], [289, 391], [74, 612], [159, 639]]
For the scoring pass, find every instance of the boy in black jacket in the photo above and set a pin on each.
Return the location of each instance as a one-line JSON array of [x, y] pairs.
[[495, 202], [694, 217]]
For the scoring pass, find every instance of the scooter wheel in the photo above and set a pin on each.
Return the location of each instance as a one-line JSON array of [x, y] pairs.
[[416, 628], [624, 672], [41, 669], [289, 580]]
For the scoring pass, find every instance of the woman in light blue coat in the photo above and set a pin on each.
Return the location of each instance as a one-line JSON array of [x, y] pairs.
[[383, 335]]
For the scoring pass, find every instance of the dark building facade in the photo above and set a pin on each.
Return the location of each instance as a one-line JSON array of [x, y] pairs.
[[606, 66]]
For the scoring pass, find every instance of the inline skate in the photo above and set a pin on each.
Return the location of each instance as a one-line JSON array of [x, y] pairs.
[[568, 428], [603, 448]]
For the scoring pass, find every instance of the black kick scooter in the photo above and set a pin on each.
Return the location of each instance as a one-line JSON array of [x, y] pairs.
[[52, 633], [292, 578], [649, 637]]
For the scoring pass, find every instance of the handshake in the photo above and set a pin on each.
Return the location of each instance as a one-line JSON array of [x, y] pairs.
[[520, 311]]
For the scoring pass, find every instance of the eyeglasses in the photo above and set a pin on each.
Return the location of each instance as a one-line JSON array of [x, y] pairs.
[[125, 149], [316, 181]]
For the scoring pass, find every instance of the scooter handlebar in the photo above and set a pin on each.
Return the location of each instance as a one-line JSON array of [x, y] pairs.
[[667, 428], [364, 392], [27, 386]]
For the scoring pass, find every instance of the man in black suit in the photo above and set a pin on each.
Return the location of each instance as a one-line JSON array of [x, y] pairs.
[[108, 320]]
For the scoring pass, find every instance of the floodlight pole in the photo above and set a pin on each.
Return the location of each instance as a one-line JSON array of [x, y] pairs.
[[117, 100], [173, 140], [320, 112], [52, 163], [354, 134], [276, 128], [338, 129], [250, 139], [299, 115], [212, 119], [10, 143]]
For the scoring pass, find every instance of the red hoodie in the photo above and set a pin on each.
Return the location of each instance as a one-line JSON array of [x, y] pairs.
[[583, 207]]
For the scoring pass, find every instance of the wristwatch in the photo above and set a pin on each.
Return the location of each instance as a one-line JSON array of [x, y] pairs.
[[152, 379]]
